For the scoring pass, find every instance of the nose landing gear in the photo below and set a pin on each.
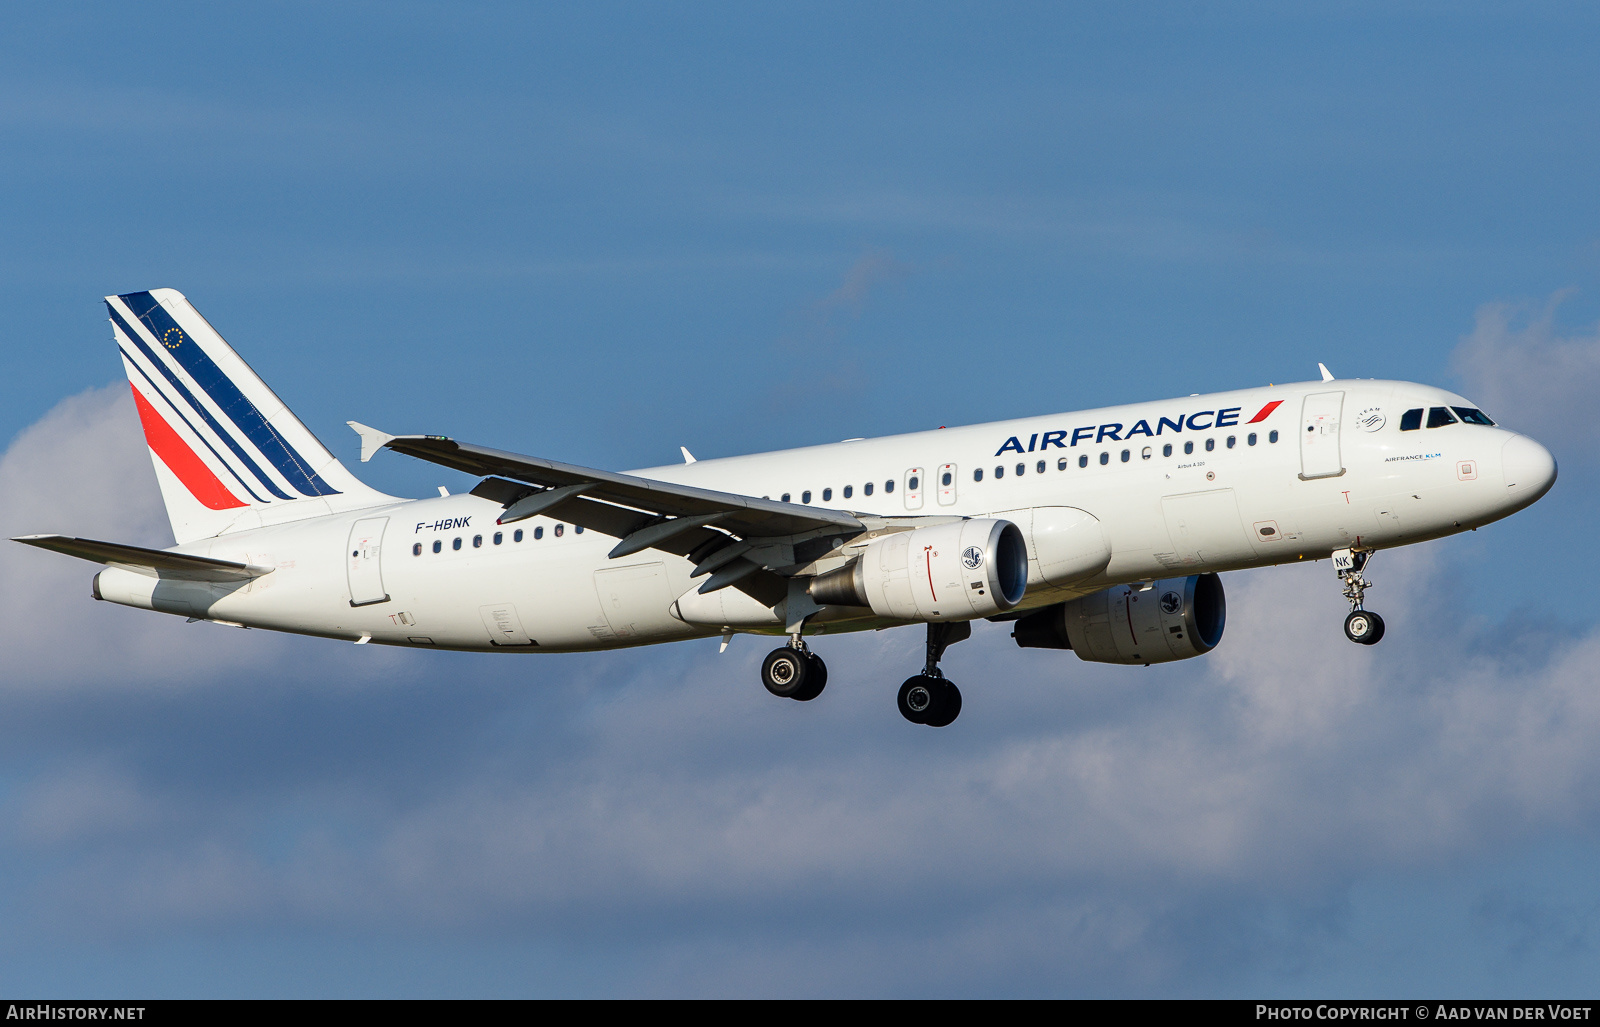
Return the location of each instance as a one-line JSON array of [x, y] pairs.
[[930, 698], [1361, 626]]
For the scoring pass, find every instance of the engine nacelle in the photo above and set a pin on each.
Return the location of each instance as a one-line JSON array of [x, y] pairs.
[[1174, 619], [957, 571]]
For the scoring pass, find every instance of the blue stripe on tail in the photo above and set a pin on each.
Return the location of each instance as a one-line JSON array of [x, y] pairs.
[[178, 409], [227, 396], [194, 404]]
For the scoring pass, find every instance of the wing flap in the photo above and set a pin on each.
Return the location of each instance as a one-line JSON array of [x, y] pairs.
[[147, 561]]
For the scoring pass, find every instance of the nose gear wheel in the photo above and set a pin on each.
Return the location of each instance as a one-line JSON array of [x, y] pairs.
[[1362, 626]]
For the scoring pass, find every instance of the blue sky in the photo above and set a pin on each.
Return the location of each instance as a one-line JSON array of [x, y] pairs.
[[599, 234]]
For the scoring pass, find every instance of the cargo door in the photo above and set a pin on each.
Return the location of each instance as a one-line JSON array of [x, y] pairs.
[[503, 625], [1319, 436], [1206, 529], [636, 599], [364, 564]]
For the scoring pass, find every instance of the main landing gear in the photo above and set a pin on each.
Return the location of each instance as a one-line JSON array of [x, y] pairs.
[[930, 698], [794, 672], [1362, 626]]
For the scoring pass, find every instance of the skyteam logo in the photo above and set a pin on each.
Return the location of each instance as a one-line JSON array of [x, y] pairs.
[[1203, 420], [972, 558]]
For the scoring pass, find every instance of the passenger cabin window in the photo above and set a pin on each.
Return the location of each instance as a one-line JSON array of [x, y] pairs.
[[1472, 415], [888, 486], [1022, 469], [866, 490], [560, 529], [913, 483], [1083, 461], [786, 497], [1166, 450], [1211, 444], [538, 533], [438, 546], [999, 472], [1250, 439], [516, 536], [827, 495], [1231, 441], [499, 537], [1411, 420], [1105, 458], [805, 497], [1272, 436], [977, 474], [578, 528], [1145, 453], [1438, 417], [1061, 464], [1188, 447], [849, 490], [1039, 469], [416, 550], [1125, 456], [455, 544], [477, 542], [947, 478]]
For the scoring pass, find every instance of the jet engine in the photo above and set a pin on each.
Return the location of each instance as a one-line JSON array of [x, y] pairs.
[[1173, 619], [956, 571]]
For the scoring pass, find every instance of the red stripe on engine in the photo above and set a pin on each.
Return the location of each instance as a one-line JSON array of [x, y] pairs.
[[181, 460], [1266, 411]]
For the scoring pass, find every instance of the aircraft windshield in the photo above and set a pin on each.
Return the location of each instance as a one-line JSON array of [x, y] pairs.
[[1438, 417], [1472, 415]]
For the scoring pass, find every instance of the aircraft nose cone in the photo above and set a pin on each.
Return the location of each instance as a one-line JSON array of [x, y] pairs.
[[1530, 470]]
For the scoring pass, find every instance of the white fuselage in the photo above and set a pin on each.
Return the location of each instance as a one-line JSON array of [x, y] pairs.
[[1218, 502]]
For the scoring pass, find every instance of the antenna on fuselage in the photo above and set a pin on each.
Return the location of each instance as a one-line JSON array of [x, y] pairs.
[[1327, 375]]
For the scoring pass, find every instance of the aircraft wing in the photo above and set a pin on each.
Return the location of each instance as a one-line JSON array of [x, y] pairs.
[[643, 513], [137, 558], [744, 516]]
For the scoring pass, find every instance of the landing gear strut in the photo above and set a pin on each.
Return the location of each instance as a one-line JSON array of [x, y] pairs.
[[929, 698], [1362, 626], [794, 672]]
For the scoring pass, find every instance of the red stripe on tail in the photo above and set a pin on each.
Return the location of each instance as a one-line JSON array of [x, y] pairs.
[[181, 460], [1266, 411]]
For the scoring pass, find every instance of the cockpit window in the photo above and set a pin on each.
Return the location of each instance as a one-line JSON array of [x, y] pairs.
[[1411, 420], [1438, 417], [1472, 415]]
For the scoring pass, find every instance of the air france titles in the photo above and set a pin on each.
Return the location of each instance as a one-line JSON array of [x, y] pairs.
[[1204, 420]]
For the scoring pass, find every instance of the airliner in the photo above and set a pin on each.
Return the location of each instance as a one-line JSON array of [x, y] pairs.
[[1101, 531]]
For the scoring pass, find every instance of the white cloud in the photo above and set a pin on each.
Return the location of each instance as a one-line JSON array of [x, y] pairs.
[[83, 470], [1529, 372]]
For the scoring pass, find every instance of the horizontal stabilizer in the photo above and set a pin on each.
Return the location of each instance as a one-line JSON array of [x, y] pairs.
[[147, 561]]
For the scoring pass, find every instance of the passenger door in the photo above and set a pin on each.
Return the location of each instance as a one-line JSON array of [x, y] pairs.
[[364, 564], [1319, 436]]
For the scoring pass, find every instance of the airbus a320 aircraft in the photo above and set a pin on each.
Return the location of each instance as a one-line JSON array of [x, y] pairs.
[[1101, 531]]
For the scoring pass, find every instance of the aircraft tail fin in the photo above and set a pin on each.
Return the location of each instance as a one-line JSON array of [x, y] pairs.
[[228, 453]]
